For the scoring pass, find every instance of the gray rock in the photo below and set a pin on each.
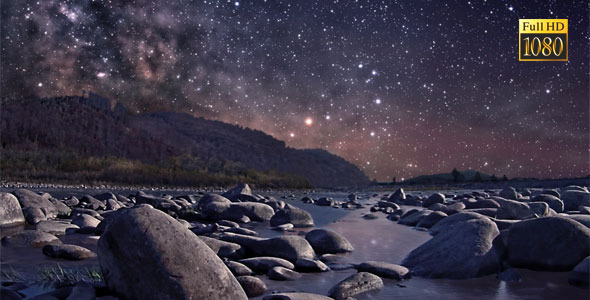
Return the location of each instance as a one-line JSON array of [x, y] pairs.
[[69, 252], [242, 189], [574, 198], [10, 211], [455, 208], [469, 242], [30, 238], [63, 211], [385, 270], [71, 201], [385, 204], [356, 284], [253, 286], [35, 208], [481, 203], [265, 263], [449, 221], [513, 210], [208, 198], [85, 220], [553, 202], [584, 219], [310, 265], [489, 212], [431, 219], [327, 241], [323, 201], [234, 211], [296, 296], [289, 247], [92, 203], [549, 243], [166, 260], [238, 269], [281, 273], [580, 275], [223, 248], [509, 193], [434, 198], [414, 218], [399, 196], [291, 214], [54, 227], [551, 192]]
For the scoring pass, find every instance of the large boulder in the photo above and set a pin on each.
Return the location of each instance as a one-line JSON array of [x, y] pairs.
[[463, 251], [291, 214], [513, 210], [572, 199], [434, 198], [412, 219], [328, 241], [235, 211], [553, 202], [239, 191], [356, 284], [289, 247], [223, 248], [550, 243], [93, 203], [253, 286], [35, 207], [431, 219], [385, 270], [146, 254], [208, 198], [10, 211], [399, 196]]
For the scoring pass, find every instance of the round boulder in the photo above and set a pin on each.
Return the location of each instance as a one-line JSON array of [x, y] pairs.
[[356, 284], [328, 241]]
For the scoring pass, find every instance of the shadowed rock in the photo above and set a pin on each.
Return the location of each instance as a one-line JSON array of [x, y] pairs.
[[35, 208], [356, 284], [253, 286], [146, 254], [289, 247], [294, 215], [10, 211], [69, 252], [328, 241], [263, 264], [580, 275], [30, 238], [385, 270]]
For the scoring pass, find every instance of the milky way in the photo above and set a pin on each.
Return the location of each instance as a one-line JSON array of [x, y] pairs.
[[399, 88]]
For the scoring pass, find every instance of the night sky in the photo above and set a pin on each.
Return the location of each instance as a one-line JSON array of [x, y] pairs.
[[400, 88]]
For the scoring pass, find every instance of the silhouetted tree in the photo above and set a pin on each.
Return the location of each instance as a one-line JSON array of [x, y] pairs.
[[394, 180], [494, 178], [504, 178], [455, 174], [477, 177]]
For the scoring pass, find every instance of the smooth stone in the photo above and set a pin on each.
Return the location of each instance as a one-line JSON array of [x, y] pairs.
[[327, 241], [238, 269], [412, 219], [385, 270], [548, 244], [356, 284], [35, 207], [253, 286], [431, 219], [509, 193], [289, 247], [54, 227], [167, 260], [281, 273], [553, 202], [10, 211], [572, 199], [434, 198], [69, 252], [296, 296], [234, 211], [84, 220], [223, 248], [30, 238], [263, 264], [310, 265], [293, 215]]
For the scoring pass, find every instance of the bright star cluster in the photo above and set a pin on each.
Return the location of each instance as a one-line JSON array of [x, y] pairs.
[[400, 88]]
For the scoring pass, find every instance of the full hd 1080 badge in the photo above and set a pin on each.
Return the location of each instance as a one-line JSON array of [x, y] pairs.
[[542, 39]]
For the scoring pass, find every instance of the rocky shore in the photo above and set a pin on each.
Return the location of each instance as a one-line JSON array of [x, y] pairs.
[[203, 245]]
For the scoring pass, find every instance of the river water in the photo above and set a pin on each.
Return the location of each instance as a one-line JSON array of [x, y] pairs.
[[379, 240]]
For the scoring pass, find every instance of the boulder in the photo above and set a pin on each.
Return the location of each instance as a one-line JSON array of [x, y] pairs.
[[310, 265], [264, 263], [242, 189], [549, 243], [291, 214], [238, 269], [208, 198], [399, 196], [54, 227], [289, 247], [583, 219], [356, 284], [296, 296], [234, 211], [509, 193], [85, 220], [92, 203], [223, 248], [385, 270], [481, 203], [327, 241], [35, 208], [513, 210], [431, 219], [10, 211], [434, 198], [30, 238], [414, 218], [462, 251], [553, 202], [551, 192], [146, 254], [63, 211], [449, 221], [574, 198], [282, 273], [253, 286], [69, 252], [580, 275], [323, 201]]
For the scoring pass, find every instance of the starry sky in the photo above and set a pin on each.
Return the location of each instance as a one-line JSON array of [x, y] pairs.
[[399, 88]]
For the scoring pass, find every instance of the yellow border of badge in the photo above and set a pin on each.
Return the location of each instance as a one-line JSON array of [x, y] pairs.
[[520, 21]]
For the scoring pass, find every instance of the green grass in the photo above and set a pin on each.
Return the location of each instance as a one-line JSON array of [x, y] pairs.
[[57, 275], [181, 171]]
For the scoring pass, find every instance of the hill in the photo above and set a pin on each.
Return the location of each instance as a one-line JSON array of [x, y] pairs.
[[73, 134], [467, 175]]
